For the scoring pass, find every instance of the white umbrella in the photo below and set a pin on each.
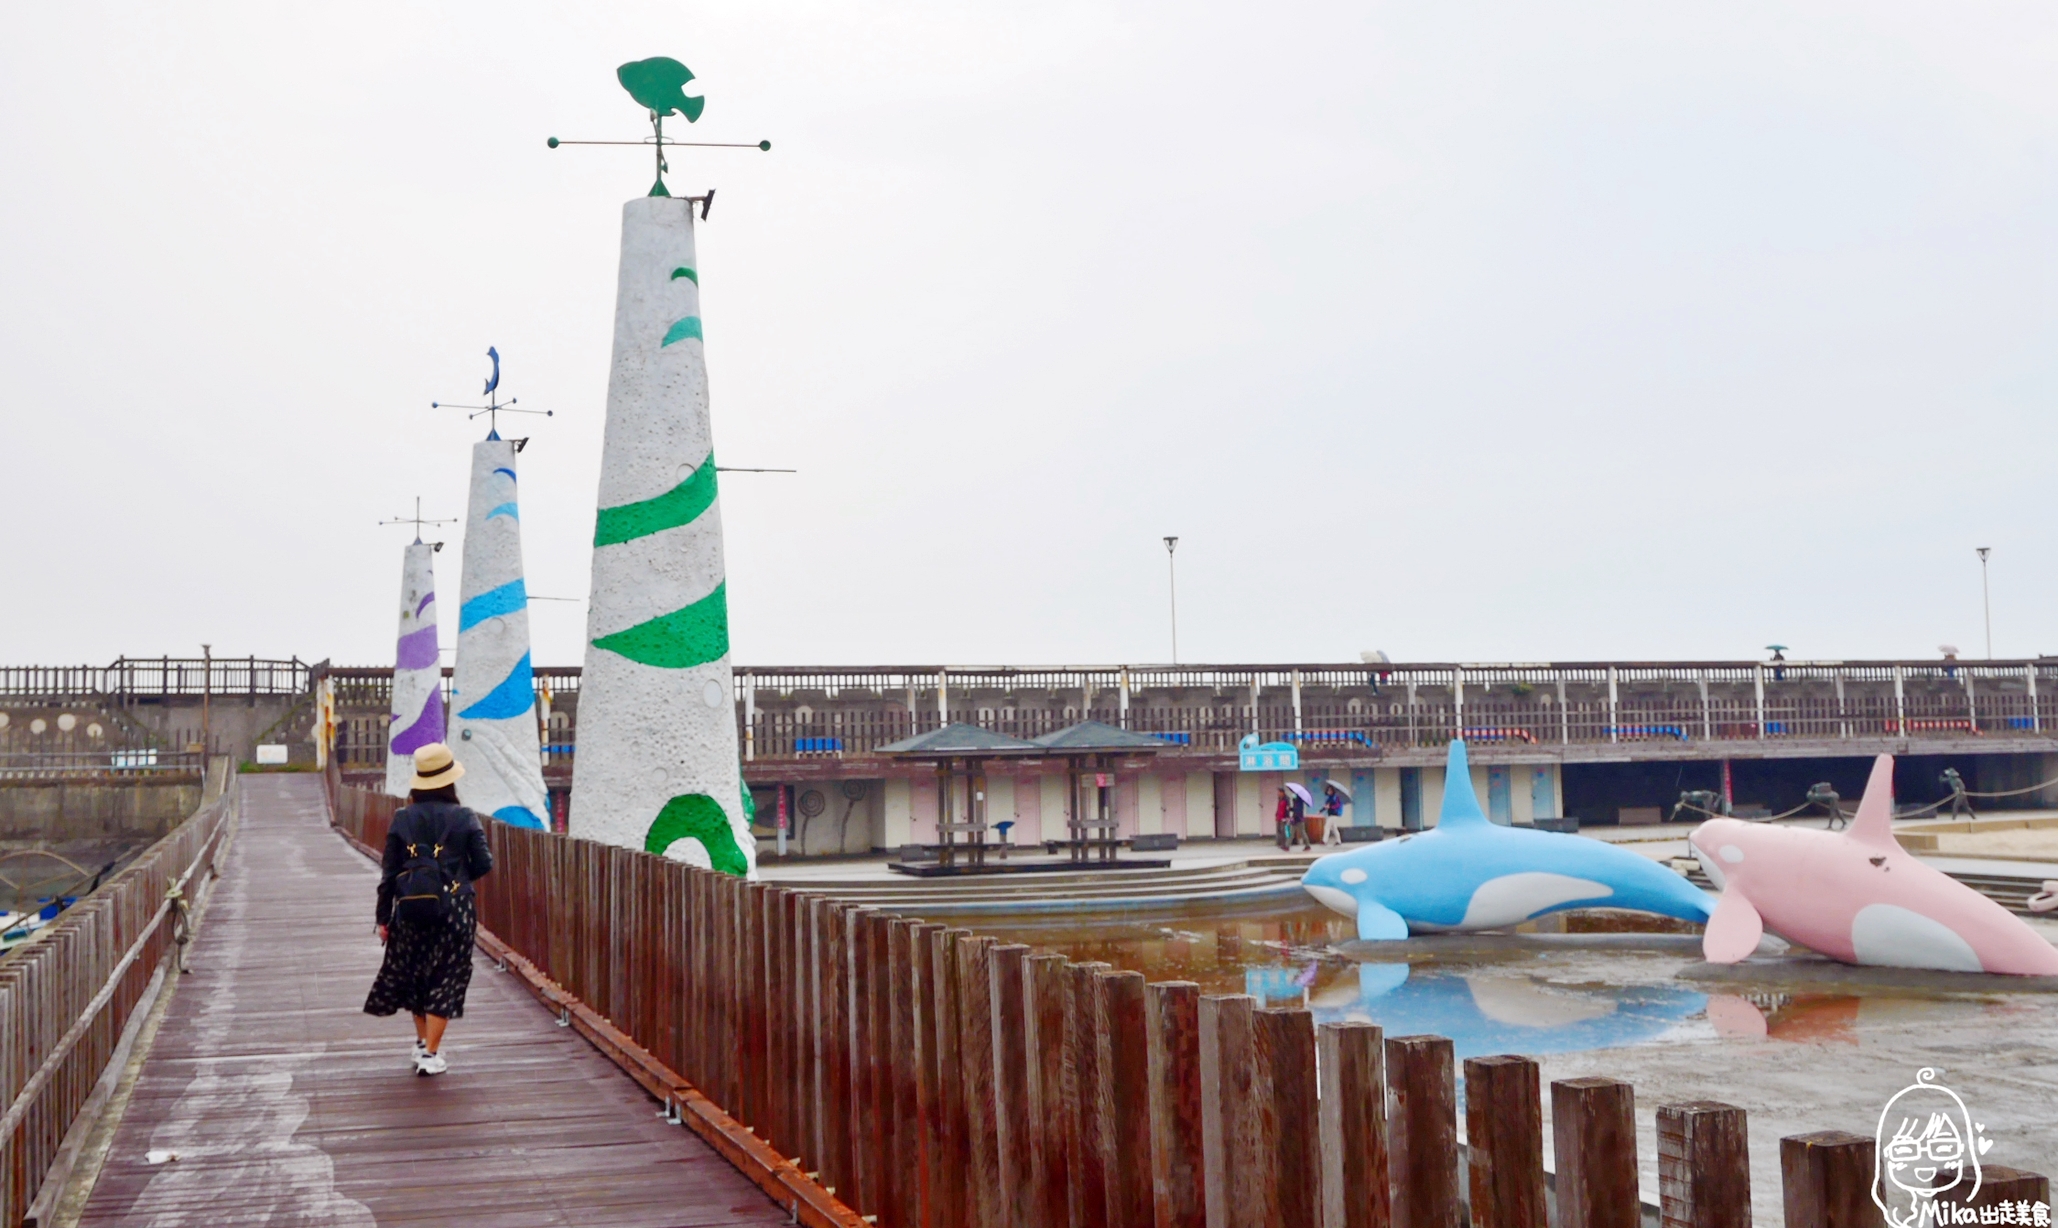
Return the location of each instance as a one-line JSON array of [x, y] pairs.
[[1340, 787]]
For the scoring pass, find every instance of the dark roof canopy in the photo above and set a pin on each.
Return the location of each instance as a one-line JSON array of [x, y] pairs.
[[960, 739], [1099, 736]]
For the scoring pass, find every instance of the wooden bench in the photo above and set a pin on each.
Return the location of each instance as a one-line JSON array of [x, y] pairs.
[[975, 844], [1083, 839]]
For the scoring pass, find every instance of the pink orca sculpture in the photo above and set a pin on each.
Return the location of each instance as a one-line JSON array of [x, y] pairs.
[[1856, 896]]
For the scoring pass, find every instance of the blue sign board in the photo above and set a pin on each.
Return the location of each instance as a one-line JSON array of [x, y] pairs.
[[1254, 756]]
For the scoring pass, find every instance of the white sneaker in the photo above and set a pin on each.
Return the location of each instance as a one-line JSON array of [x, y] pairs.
[[421, 1050], [430, 1064]]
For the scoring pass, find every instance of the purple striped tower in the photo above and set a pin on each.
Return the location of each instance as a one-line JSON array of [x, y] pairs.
[[417, 718]]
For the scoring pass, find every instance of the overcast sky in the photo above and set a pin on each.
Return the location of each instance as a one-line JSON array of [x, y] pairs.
[[1466, 332]]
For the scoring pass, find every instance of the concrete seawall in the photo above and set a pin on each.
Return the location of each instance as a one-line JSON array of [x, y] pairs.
[[34, 812]]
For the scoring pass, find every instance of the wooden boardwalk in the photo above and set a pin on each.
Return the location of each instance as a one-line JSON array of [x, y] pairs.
[[287, 1105]]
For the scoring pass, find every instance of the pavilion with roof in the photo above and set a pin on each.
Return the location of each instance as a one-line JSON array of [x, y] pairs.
[[1091, 751]]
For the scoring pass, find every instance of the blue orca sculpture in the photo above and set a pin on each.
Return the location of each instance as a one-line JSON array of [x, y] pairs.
[[1469, 874]]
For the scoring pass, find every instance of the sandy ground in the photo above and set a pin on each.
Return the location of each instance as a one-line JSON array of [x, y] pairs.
[[2029, 844]]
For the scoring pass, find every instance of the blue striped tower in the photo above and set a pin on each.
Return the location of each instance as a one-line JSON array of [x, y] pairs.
[[493, 706]]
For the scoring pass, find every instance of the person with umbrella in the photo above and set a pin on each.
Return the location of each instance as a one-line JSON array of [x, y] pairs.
[[1294, 799], [1333, 797]]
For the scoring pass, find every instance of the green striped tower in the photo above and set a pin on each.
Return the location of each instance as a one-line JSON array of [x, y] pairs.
[[656, 766]]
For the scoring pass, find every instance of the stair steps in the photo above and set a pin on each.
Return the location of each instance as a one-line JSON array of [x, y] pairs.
[[1234, 882]]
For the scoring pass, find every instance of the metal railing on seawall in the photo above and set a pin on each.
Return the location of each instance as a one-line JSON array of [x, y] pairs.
[[138, 677], [1355, 713], [124, 763], [859, 1063], [67, 995]]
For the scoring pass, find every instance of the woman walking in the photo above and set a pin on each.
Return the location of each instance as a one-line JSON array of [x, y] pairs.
[[427, 914], [1297, 820], [1332, 814]]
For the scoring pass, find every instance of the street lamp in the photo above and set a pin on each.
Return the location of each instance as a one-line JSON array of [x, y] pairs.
[[206, 702], [1986, 602], [1172, 573]]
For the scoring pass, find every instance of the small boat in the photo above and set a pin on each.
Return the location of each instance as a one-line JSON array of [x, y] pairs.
[[15, 927]]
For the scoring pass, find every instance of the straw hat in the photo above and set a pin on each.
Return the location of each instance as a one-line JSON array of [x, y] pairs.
[[434, 767]]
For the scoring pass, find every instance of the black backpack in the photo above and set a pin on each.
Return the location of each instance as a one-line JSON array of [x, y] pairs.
[[424, 893]]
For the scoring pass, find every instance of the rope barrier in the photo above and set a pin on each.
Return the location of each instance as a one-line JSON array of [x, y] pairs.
[[1932, 808], [2012, 792], [1766, 819], [1911, 814]]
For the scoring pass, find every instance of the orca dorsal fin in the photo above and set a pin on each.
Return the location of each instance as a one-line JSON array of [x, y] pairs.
[[1460, 801], [1874, 823]]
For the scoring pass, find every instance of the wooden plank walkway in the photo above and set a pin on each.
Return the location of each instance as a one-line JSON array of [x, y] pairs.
[[287, 1105]]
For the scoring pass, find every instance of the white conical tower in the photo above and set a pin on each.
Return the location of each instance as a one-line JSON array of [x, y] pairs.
[[657, 766], [417, 670], [493, 705]]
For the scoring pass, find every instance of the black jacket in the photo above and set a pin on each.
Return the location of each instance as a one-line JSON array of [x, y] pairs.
[[465, 856]]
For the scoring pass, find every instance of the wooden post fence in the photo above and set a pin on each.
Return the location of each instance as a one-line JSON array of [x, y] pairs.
[[1504, 1134]]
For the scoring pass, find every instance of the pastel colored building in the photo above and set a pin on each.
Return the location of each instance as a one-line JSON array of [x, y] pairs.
[[1600, 742]]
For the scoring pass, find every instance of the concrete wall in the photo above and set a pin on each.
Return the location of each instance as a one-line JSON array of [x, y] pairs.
[[235, 724], [60, 811], [850, 815]]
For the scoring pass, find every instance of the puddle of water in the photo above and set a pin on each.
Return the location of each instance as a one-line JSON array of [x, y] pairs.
[[1488, 997]]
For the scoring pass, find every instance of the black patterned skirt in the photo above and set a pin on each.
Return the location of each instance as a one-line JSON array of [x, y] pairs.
[[428, 967]]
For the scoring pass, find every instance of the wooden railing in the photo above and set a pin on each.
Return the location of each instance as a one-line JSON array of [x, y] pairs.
[[67, 994], [931, 1077]]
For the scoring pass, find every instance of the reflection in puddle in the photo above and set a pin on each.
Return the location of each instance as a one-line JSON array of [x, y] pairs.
[[1802, 1017], [1488, 995], [1486, 1012]]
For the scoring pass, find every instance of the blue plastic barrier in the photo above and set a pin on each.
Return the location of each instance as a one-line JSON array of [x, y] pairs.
[[1332, 735], [1654, 731]]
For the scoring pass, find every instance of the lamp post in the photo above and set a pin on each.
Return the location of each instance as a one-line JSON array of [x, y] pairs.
[[1172, 573], [206, 702], [1986, 603]]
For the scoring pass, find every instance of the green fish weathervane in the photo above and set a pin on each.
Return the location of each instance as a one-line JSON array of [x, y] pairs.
[[658, 85]]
